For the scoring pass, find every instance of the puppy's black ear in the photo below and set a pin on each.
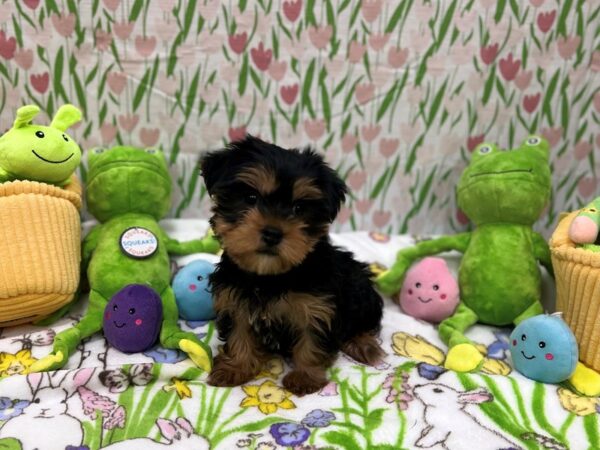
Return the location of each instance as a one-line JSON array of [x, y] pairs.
[[336, 192], [213, 167], [333, 186]]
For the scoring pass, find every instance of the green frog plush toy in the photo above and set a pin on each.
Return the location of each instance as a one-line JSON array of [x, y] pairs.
[[503, 193], [127, 258], [40, 153]]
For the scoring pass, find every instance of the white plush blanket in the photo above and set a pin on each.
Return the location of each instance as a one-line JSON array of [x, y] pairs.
[[155, 400]]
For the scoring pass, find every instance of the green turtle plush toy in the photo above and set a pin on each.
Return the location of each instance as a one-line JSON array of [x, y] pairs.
[[40, 153], [503, 193], [127, 257]]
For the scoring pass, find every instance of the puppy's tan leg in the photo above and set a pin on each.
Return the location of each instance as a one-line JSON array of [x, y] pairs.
[[310, 365], [364, 348], [241, 361]]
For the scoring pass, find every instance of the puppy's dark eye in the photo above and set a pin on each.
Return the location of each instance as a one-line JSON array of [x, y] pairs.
[[65, 138], [37, 400], [39, 134], [251, 199], [131, 310], [297, 209]]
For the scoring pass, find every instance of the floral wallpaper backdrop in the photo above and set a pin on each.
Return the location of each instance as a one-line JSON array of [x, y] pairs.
[[394, 93]]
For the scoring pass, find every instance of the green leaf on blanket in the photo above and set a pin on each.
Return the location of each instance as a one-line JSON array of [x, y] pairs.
[[374, 419], [590, 424], [260, 425], [10, 444], [345, 441]]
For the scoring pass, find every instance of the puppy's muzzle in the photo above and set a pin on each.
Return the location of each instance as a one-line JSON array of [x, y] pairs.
[[271, 236]]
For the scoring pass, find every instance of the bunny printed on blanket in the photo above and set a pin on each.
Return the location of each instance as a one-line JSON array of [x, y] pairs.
[[45, 423], [178, 433], [442, 402]]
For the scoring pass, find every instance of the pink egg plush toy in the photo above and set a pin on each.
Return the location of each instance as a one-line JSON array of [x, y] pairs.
[[429, 291]]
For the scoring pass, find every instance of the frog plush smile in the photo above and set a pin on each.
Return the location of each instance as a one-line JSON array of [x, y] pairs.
[[127, 259], [40, 153], [503, 193]]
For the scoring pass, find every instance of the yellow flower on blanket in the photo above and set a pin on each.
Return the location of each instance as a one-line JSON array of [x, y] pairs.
[[179, 386], [15, 364], [417, 347], [272, 369], [577, 404], [268, 397], [495, 367]]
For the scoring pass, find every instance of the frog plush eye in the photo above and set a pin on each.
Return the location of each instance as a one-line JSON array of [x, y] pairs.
[[65, 138], [485, 149], [98, 150], [152, 150], [533, 140], [40, 134]]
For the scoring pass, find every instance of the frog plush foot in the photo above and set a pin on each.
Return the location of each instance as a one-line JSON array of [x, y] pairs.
[[197, 352], [585, 381], [464, 358], [53, 361]]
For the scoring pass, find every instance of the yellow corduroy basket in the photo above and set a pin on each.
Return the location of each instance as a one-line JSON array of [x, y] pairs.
[[40, 249], [577, 274]]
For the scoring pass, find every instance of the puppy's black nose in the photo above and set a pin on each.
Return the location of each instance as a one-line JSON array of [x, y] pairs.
[[271, 236]]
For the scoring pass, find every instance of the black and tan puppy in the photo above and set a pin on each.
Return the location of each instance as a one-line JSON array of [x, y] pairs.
[[281, 286]]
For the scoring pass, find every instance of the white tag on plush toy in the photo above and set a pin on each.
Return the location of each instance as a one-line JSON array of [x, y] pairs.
[[138, 242]]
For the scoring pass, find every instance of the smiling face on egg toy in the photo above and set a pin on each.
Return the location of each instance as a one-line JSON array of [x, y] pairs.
[[132, 318], [430, 291], [192, 292], [544, 349]]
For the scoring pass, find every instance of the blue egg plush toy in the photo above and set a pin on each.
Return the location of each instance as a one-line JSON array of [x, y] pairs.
[[192, 291], [544, 349]]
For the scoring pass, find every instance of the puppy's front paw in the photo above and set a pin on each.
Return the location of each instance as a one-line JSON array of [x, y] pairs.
[[301, 383], [226, 374]]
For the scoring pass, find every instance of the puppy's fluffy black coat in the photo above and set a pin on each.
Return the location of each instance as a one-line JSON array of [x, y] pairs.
[[281, 286]]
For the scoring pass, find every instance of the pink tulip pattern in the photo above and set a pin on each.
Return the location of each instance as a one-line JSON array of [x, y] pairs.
[[396, 98]]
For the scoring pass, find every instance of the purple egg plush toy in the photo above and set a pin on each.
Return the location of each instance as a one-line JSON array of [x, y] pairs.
[[429, 291], [132, 318]]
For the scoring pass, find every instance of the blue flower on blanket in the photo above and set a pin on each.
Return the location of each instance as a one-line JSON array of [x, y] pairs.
[[165, 355], [289, 434], [500, 348], [11, 408], [318, 418], [193, 324], [430, 372]]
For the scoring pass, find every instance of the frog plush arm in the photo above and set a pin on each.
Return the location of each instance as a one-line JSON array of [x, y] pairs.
[[541, 251], [390, 281], [206, 245], [89, 245], [66, 341]]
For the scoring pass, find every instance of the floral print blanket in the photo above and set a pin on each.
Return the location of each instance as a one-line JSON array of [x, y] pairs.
[[159, 400]]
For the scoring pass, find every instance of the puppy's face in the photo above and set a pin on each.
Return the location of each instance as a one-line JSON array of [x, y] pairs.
[[271, 205]]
